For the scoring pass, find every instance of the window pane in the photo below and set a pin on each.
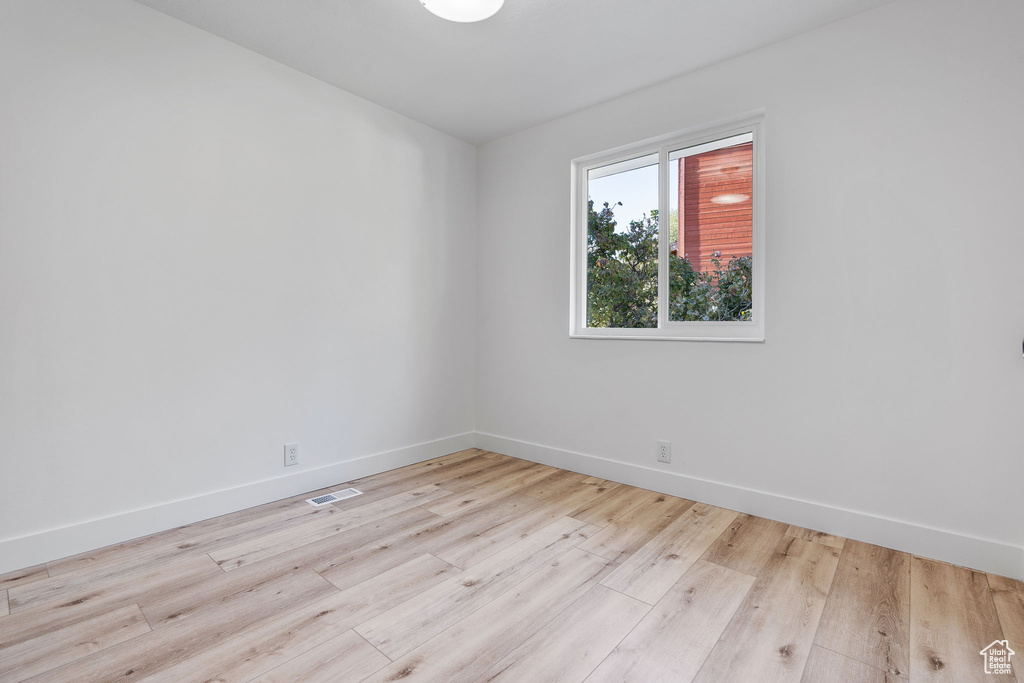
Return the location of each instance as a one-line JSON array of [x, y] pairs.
[[711, 231], [622, 244]]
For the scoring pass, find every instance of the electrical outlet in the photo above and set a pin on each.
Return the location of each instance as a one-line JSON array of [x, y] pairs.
[[291, 454], [664, 451]]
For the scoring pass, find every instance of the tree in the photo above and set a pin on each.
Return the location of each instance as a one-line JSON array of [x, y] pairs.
[[622, 278], [622, 270]]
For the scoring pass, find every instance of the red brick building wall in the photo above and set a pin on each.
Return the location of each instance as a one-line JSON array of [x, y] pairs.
[[708, 227]]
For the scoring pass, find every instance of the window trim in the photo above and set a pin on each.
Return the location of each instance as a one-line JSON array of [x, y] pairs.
[[738, 331]]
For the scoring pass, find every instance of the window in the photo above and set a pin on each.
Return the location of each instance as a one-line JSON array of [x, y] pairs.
[[668, 238]]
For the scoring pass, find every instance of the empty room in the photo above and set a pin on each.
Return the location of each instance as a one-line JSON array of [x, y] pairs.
[[511, 340]]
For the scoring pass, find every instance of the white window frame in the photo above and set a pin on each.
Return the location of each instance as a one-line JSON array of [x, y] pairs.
[[736, 331]]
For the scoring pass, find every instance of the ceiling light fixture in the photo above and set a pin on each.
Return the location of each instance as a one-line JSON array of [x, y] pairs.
[[730, 198], [463, 11]]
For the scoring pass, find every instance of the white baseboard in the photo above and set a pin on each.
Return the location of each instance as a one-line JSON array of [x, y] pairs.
[[53, 544], [968, 551]]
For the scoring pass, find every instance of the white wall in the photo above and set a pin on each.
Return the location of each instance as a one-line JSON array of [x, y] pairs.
[[204, 255], [890, 390]]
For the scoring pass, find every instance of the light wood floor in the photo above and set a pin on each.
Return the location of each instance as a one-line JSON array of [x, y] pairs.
[[480, 567]]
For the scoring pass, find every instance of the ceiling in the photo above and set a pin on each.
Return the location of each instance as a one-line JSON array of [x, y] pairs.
[[533, 61]]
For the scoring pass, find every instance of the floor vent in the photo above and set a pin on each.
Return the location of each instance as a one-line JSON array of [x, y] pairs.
[[329, 498]]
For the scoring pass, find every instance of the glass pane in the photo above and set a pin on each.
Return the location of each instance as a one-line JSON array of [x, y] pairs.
[[622, 244], [711, 231]]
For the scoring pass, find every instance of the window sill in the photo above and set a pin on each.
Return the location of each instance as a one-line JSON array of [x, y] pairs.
[[691, 332]]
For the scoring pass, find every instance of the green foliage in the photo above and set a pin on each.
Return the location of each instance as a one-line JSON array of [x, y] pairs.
[[622, 271], [622, 278], [721, 294]]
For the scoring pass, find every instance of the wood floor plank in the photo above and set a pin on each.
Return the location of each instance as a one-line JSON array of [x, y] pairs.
[[816, 536], [283, 636], [771, 635], [629, 533], [434, 473], [825, 666], [68, 584], [487, 526], [867, 614], [525, 477], [269, 545], [5, 609], [953, 617], [490, 491], [164, 606], [589, 492], [22, 577], [368, 539], [345, 658], [160, 649], [464, 539], [653, 569], [555, 485], [498, 471], [378, 486], [465, 651], [422, 476], [453, 475], [494, 529], [673, 640], [467, 500], [604, 510], [402, 476], [67, 644], [173, 579], [571, 645], [747, 545], [165, 609], [402, 628], [357, 563], [1008, 596], [187, 533]]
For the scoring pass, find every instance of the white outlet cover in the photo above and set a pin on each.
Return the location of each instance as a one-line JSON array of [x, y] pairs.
[[664, 451], [291, 454]]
